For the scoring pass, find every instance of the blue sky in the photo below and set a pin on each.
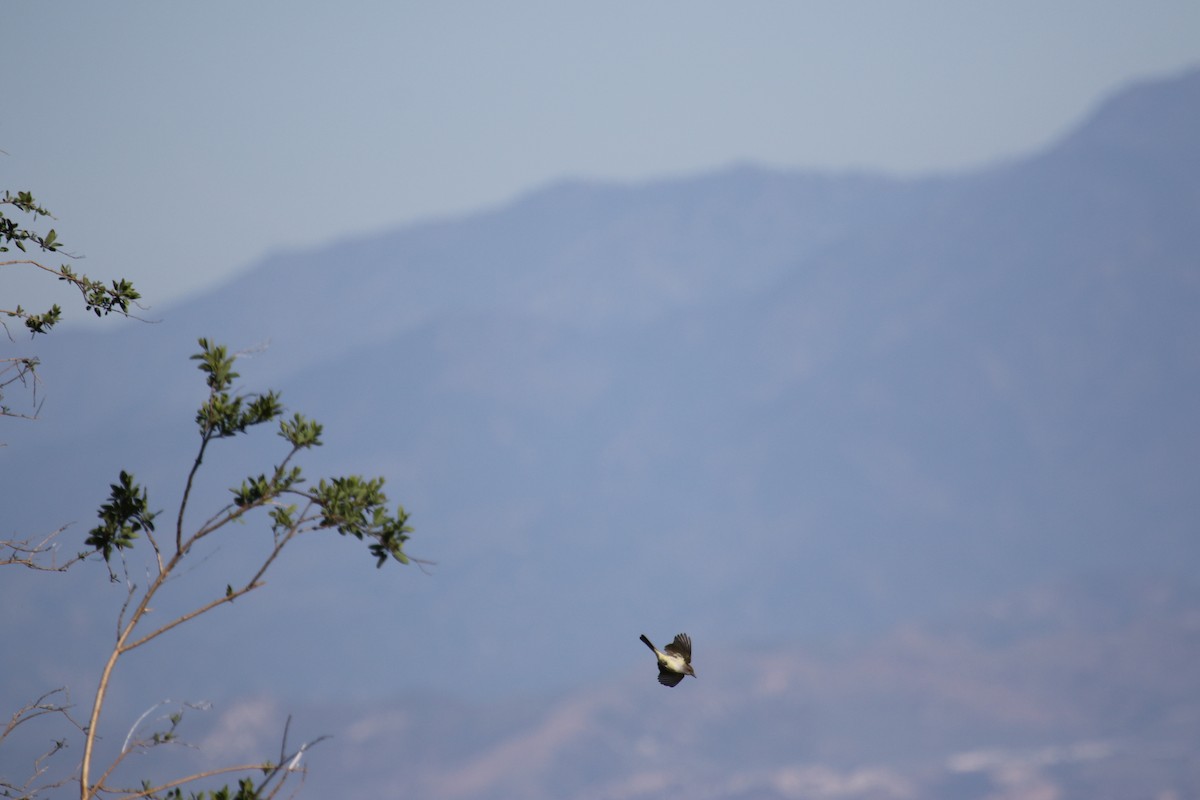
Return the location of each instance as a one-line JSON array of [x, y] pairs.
[[177, 143]]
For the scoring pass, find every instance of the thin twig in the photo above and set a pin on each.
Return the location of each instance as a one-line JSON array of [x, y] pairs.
[[254, 583], [131, 794], [187, 491], [26, 552], [39, 708], [288, 764], [138, 721]]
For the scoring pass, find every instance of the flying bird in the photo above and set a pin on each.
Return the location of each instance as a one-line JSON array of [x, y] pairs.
[[674, 660]]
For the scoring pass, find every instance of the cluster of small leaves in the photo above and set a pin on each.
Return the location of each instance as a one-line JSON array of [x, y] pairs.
[[101, 299], [246, 791], [357, 507], [12, 233], [255, 490], [125, 514], [225, 414], [171, 734], [38, 323], [98, 297], [301, 433]]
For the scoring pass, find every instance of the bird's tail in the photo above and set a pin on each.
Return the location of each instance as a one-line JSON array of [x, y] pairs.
[[648, 644]]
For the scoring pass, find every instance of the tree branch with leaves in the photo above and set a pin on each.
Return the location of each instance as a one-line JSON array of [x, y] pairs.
[[117, 296], [288, 507]]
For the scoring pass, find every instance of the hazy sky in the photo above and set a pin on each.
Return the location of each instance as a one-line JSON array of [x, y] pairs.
[[179, 142]]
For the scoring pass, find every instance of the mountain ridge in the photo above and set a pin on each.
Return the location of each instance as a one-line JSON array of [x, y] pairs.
[[867, 400]]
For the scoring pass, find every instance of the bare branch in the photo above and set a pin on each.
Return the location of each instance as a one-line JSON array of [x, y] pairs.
[[132, 794], [48, 704], [132, 744], [174, 719], [40, 766], [289, 764], [123, 645], [187, 491], [229, 596], [39, 708], [33, 554], [32, 263], [231, 512], [24, 369]]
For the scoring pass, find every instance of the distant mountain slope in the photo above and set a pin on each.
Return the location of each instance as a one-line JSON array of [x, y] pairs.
[[757, 405], [1074, 691]]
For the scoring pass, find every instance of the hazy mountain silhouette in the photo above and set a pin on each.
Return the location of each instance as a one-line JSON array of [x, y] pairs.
[[754, 405]]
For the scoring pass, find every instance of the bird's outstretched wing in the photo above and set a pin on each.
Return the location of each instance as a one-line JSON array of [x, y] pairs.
[[682, 646], [668, 678]]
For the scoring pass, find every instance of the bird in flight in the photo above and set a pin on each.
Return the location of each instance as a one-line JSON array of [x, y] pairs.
[[674, 660]]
